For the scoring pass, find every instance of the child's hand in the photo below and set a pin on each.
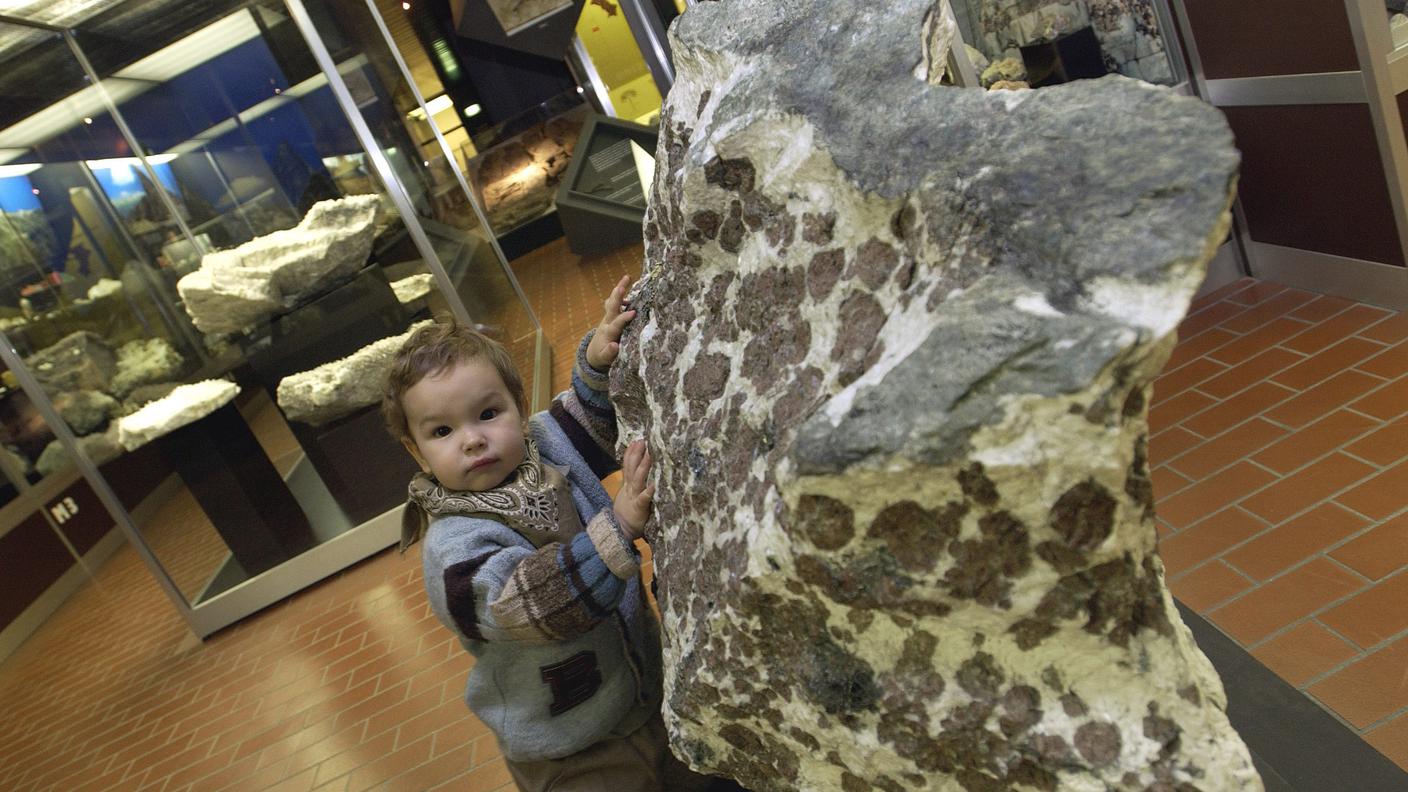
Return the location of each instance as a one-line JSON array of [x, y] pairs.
[[605, 345], [634, 499]]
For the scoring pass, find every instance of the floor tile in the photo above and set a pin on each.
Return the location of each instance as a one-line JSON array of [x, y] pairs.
[[1227, 448], [1211, 495], [1389, 364], [1389, 331], [1274, 332], [1384, 446], [1228, 413], [1286, 545], [1180, 380], [1381, 496], [1213, 315], [1224, 292], [1273, 307], [1386, 403], [1377, 552], [1166, 482], [1304, 652], [1250, 371], [1331, 330], [1196, 346], [1374, 615], [1330, 361], [1306, 487], [1255, 292], [1323, 398], [1208, 585], [1322, 308], [1392, 740], [1315, 440], [1175, 409], [1369, 689], [1285, 600], [1170, 443], [1208, 538]]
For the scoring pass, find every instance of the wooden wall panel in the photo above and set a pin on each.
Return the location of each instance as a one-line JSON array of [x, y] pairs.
[[31, 559], [1312, 179], [1253, 38]]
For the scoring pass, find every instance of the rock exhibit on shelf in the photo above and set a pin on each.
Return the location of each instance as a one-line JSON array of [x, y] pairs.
[[893, 359], [414, 287], [145, 362], [78, 361], [242, 286], [101, 447], [85, 410], [340, 387], [142, 395], [183, 405]]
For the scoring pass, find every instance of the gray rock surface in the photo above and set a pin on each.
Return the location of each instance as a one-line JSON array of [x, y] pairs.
[[893, 359], [340, 387], [85, 411], [78, 361], [248, 284], [101, 447]]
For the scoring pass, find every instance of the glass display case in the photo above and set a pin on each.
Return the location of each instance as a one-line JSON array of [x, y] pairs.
[[1128, 36], [213, 223]]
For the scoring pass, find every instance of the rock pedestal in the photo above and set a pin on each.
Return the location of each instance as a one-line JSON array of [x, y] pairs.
[[893, 358]]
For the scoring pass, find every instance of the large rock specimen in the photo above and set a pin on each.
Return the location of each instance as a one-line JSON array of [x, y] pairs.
[[184, 405], [245, 285], [893, 359], [340, 387], [78, 361], [145, 362]]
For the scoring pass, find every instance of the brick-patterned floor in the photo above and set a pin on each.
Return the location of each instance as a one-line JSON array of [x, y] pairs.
[[352, 685], [1280, 461]]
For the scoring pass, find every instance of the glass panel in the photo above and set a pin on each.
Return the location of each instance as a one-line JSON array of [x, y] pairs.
[[607, 37], [482, 279], [1008, 38], [1397, 22]]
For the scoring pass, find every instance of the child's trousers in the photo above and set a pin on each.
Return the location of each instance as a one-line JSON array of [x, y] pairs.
[[639, 762]]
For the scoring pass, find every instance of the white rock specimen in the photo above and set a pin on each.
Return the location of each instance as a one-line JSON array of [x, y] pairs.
[[245, 285], [184, 405], [145, 362], [340, 387], [413, 288], [893, 355], [104, 287]]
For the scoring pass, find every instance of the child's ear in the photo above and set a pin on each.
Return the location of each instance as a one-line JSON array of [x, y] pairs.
[[415, 452]]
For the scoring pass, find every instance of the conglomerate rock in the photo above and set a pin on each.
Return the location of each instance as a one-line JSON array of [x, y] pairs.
[[79, 361], [245, 285], [893, 358]]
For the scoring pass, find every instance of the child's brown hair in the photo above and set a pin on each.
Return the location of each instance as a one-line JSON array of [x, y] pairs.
[[432, 349]]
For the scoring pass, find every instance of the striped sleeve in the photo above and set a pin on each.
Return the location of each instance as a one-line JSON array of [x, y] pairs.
[[565, 589], [586, 416]]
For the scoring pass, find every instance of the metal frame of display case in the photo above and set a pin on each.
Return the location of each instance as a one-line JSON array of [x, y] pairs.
[[1381, 77], [206, 615]]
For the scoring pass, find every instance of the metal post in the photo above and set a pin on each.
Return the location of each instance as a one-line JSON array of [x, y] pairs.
[[649, 34]]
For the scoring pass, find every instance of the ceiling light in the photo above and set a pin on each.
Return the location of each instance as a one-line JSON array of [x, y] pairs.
[[473, 110], [405, 6], [10, 171], [176, 59], [87, 119]]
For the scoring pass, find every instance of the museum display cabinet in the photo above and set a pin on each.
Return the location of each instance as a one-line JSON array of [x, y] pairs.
[[1318, 112], [214, 227], [602, 198]]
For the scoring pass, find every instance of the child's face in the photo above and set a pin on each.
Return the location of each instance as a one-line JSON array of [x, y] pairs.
[[465, 428]]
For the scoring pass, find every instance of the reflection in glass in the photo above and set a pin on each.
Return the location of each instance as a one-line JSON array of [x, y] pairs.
[[516, 14]]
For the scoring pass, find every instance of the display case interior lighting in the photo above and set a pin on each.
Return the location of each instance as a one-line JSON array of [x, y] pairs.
[[66, 113], [11, 171], [60, 13], [209, 42], [128, 162], [435, 106]]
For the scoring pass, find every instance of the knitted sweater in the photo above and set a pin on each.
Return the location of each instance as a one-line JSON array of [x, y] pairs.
[[566, 650]]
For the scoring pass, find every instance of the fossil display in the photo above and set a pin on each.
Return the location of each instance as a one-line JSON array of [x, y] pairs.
[[893, 357], [236, 288], [183, 405], [340, 387]]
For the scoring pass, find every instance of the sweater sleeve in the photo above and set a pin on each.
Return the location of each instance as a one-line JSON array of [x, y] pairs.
[[496, 587], [586, 416]]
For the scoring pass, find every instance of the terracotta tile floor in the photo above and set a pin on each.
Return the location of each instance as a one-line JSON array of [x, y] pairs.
[[1280, 462], [351, 684]]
